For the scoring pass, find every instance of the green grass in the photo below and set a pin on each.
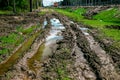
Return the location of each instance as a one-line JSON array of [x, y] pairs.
[[102, 19], [29, 30], [80, 11], [42, 13], [109, 15], [14, 39], [11, 39], [62, 74], [5, 12], [71, 15], [3, 51], [112, 33], [16, 55]]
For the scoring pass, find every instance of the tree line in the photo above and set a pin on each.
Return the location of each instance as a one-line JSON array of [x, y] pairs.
[[17, 5], [89, 2]]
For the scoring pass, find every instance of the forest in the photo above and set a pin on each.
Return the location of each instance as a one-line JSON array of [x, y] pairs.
[[89, 2], [19, 5]]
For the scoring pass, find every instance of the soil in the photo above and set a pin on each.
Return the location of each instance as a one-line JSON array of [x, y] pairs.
[[8, 23], [113, 27], [78, 56], [95, 10], [108, 45]]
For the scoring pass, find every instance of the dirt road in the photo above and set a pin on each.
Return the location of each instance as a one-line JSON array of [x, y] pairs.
[[64, 50]]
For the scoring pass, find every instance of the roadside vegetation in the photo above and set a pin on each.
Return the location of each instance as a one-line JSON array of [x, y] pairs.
[[100, 21], [18, 53], [12, 40]]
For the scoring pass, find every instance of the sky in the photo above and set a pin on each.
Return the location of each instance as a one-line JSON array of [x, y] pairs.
[[50, 2]]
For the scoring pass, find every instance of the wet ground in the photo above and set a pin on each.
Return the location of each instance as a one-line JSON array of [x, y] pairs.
[[63, 50]]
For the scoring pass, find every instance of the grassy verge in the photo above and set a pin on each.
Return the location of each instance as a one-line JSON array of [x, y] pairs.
[[10, 41], [109, 15], [99, 23]]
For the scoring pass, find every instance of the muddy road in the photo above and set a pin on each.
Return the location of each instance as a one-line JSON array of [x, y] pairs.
[[61, 50]]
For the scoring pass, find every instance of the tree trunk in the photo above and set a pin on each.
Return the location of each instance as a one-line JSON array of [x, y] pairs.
[[37, 4], [14, 6], [8, 2], [30, 5]]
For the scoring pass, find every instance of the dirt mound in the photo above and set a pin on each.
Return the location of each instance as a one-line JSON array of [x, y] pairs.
[[94, 10]]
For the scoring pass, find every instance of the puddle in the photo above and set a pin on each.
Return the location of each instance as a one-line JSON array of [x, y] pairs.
[[54, 35], [84, 30], [46, 48], [44, 23]]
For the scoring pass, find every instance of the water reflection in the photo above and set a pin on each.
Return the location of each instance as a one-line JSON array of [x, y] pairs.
[[54, 35]]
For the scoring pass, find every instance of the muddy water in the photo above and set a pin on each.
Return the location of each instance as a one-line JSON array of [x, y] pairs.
[[44, 23], [47, 48], [54, 35]]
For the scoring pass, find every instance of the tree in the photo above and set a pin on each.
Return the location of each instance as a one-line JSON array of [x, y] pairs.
[[30, 5], [66, 3], [14, 6]]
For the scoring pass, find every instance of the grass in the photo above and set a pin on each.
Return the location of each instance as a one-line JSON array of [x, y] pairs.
[[42, 13], [104, 18], [112, 33], [14, 39], [5, 12], [16, 55], [109, 15], [62, 74], [29, 30], [11, 39]]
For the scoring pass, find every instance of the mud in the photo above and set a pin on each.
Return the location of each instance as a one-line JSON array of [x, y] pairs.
[[94, 10], [76, 56], [113, 27], [109, 46], [9, 23]]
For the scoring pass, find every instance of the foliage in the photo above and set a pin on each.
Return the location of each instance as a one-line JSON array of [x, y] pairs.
[[18, 5]]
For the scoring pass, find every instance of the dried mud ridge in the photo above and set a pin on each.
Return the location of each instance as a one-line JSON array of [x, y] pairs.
[[77, 57], [107, 45]]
